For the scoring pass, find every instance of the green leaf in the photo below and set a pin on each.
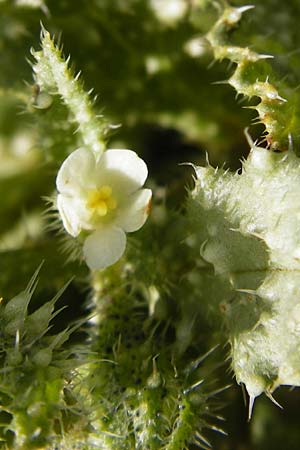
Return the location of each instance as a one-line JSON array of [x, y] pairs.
[[249, 225]]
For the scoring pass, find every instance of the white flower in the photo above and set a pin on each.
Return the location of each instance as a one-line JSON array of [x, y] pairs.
[[103, 197]]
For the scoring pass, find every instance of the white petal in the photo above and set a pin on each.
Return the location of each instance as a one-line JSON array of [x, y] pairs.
[[73, 213], [134, 214], [76, 172], [104, 247], [123, 170]]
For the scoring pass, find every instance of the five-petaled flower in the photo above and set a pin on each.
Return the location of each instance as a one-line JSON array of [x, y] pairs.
[[105, 199]]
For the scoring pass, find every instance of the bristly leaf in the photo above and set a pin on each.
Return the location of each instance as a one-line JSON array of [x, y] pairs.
[[250, 228]]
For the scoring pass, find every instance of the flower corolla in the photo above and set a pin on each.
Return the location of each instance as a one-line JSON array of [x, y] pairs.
[[102, 198]]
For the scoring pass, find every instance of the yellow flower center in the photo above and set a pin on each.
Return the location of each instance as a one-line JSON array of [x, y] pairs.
[[101, 200]]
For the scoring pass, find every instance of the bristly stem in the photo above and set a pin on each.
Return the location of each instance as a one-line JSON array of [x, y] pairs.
[[251, 79], [53, 74]]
